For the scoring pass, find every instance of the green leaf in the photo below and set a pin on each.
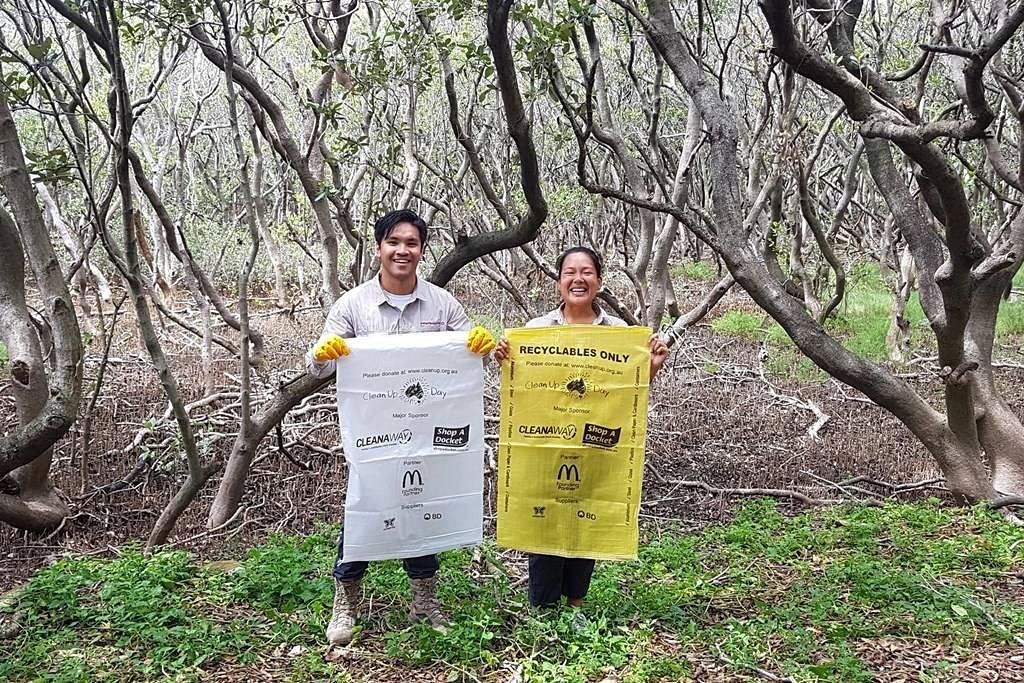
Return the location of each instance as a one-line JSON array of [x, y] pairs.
[[40, 50]]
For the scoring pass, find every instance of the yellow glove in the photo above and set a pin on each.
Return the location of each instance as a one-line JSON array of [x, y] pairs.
[[480, 341], [331, 348]]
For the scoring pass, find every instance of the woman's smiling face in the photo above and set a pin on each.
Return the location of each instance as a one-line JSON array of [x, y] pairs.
[[578, 281]]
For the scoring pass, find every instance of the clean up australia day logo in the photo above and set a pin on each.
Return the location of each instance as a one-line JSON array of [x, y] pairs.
[[372, 441], [567, 432], [415, 391], [583, 385]]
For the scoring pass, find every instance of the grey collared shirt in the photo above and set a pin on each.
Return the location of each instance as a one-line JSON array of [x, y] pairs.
[[557, 317], [365, 311]]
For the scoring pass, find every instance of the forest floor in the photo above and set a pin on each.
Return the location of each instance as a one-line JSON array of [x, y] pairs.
[[903, 592], [726, 588]]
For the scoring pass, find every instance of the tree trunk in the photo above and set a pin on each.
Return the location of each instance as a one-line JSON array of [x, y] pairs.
[[233, 482], [46, 410], [947, 438], [999, 427]]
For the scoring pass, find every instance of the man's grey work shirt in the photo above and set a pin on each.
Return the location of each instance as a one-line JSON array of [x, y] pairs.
[[365, 310]]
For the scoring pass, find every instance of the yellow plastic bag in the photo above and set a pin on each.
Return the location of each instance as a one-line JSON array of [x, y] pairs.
[[571, 445]]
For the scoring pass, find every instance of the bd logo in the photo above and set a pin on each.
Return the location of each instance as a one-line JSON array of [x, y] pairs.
[[583, 514], [602, 437], [451, 437]]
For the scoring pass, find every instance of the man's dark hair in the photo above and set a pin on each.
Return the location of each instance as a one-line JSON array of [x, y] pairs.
[[386, 223], [595, 258]]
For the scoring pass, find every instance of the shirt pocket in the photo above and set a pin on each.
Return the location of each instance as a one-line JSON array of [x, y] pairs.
[[432, 326]]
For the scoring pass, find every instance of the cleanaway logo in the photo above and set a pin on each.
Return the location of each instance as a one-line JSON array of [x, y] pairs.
[[388, 439], [567, 432], [451, 437]]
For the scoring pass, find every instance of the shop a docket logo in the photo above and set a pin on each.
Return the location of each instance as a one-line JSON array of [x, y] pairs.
[[451, 437], [602, 437], [387, 439]]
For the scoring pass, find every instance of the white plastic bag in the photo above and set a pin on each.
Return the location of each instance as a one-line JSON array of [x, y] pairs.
[[412, 422]]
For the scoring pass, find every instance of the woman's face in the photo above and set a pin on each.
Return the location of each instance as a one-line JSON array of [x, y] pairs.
[[578, 282]]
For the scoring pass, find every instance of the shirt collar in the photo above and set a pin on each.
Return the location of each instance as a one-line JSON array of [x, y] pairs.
[[381, 296], [601, 319]]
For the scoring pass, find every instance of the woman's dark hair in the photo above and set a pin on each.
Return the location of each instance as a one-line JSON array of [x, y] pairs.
[[594, 257], [386, 223]]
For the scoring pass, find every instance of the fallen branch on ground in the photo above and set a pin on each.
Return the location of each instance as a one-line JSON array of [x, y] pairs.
[[771, 493], [894, 488], [1005, 501]]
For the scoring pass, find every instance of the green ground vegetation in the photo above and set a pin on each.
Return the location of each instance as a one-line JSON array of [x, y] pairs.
[[799, 596], [696, 270], [861, 325]]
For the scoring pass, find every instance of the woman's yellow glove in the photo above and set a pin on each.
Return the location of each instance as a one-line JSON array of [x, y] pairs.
[[332, 347], [480, 341]]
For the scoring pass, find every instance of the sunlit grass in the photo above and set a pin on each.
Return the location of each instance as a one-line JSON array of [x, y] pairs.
[[860, 323]]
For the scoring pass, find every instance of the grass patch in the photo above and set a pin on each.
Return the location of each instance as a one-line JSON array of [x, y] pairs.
[[698, 270], [1010, 322], [798, 596], [493, 325], [861, 325], [739, 322]]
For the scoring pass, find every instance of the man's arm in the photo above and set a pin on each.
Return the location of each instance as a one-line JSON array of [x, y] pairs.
[[338, 323], [457, 320]]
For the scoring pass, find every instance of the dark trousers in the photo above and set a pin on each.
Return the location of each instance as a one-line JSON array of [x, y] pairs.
[[551, 577], [416, 567]]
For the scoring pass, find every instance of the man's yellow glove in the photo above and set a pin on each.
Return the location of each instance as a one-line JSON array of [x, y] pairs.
[[332, 347], [480, 341]]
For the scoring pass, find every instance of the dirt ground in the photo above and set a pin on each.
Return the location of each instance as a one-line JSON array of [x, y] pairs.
[[715, 417]]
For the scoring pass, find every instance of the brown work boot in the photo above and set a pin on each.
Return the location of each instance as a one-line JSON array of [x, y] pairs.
[[346, 609], [425, 607]]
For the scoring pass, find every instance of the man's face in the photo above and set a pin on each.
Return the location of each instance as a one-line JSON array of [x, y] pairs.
[[400, 252]]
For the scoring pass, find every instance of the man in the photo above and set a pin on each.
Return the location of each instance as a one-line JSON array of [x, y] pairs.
[[394, 302]]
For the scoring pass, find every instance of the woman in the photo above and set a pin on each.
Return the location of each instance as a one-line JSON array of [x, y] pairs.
[[579, 280]]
